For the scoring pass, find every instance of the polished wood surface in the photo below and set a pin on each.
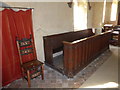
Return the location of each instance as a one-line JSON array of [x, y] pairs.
[[53, 43], [80, 48], [79, 54]]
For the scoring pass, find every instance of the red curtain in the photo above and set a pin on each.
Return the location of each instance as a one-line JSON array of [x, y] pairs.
[[13, 24]]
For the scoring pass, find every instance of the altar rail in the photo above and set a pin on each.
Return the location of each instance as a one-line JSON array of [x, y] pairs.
[[78, 54]]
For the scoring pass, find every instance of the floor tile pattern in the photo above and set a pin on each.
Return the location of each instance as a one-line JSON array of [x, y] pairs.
[[54, 79]]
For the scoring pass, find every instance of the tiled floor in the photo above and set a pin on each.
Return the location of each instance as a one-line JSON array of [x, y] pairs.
[[53, 79]]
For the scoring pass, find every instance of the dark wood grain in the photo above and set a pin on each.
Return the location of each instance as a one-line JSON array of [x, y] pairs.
[[53, 43], [90, 48], [76, 55]]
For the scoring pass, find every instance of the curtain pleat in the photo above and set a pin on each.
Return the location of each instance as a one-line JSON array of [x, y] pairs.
[[14, 24]]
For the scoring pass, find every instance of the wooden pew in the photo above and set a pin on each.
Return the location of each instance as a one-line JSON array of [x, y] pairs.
[[53, 43], [80, 48], [78, 54]]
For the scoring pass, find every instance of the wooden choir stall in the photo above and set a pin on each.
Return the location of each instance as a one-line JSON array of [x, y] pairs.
[[76, 50]]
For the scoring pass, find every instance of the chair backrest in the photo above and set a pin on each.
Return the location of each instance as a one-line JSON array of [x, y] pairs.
[[26, 48]]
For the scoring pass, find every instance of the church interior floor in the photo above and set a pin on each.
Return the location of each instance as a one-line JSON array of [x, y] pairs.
[[101, 73], [107, 75], [58, 61]]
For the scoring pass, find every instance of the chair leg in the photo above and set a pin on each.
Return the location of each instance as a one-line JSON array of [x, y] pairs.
[[28, 78], [22, 74], [42, 69]]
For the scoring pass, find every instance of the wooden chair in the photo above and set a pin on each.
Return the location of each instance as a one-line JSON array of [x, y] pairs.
[[32, 68], [108, 27], [116, 36]]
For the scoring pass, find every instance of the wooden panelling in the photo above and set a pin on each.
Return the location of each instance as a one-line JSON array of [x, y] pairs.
[[80, 48], [53, 43], [80, 54]]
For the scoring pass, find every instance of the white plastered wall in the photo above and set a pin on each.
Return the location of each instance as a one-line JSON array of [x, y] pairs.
[[56, 17], [48, 18]]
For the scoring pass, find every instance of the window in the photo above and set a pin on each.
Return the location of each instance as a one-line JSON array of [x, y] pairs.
[[104, 8], [80, 15], [114, 10]]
